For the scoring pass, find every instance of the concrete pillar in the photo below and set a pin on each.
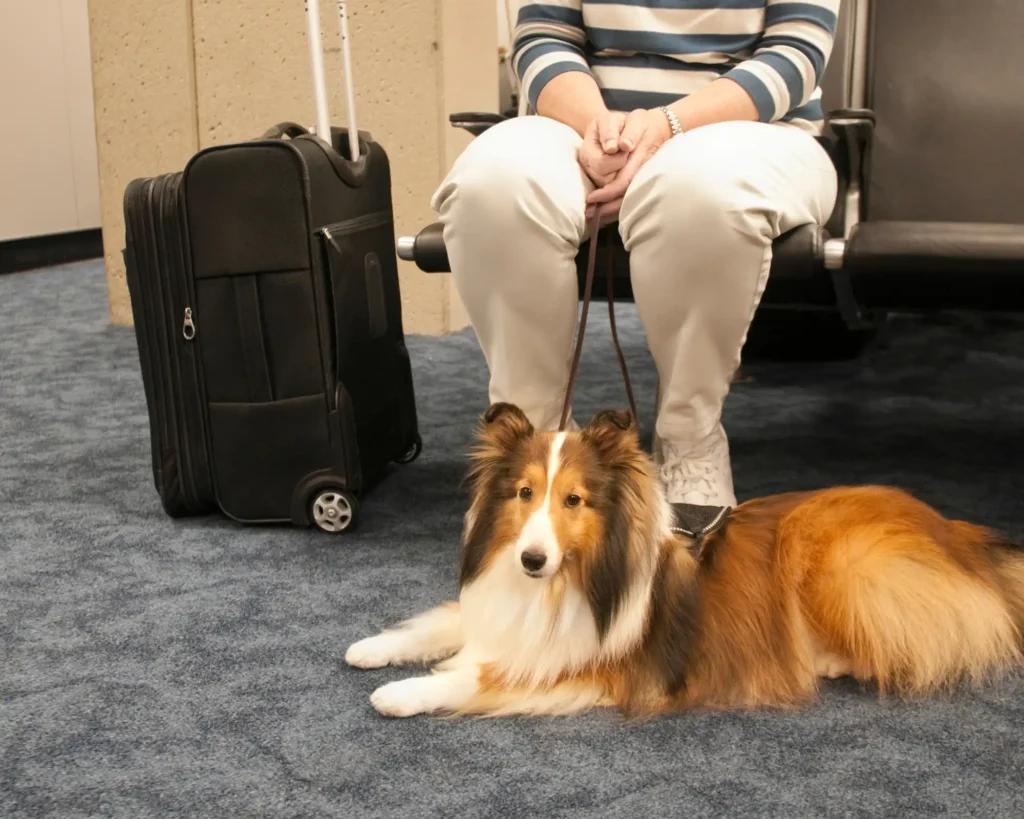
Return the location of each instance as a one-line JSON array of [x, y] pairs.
[[144, 92], [175, 76]]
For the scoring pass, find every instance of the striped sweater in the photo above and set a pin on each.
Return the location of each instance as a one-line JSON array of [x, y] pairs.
[[646, 53]]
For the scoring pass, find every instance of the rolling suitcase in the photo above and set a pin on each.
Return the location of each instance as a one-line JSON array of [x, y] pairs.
[[264, 286]]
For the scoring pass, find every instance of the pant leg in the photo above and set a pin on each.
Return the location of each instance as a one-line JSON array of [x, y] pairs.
[[699, 220], [513, 210]]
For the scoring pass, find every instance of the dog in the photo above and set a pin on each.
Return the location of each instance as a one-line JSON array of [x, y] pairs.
[[578, 592]]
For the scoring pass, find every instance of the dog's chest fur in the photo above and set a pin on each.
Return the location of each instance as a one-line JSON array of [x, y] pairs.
[[537, 632]]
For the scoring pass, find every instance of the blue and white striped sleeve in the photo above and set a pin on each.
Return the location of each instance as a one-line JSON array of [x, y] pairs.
[[548, 40], [789, 60]]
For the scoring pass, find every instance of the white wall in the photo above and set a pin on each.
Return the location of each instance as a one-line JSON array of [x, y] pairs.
[[49, 178]]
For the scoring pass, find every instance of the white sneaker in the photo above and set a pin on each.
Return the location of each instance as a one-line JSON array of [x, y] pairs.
[[698, 473]]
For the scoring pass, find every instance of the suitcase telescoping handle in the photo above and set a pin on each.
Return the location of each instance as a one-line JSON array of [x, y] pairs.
[[316, 61], [285, 129]]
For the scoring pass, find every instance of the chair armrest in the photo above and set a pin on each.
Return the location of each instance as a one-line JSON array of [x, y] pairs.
[[854, 129], [852, 113], [426, 249], [476, 122]]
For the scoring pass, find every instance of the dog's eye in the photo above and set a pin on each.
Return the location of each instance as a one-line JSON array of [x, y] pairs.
[[573, 500], [525, 493]]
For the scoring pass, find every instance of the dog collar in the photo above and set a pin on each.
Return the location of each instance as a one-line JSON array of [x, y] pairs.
[[697, 522]]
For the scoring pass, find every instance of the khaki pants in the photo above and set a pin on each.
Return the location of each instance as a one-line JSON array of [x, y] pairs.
[[698, 221]]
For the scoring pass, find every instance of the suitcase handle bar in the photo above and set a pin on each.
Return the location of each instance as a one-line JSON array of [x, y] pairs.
[[316, 63], [285, 129]]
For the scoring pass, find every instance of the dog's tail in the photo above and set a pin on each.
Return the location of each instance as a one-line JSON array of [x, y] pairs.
[[1008, 562], [923, 603]]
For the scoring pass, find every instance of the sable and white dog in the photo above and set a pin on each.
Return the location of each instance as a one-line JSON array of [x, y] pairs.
[[575, 592]]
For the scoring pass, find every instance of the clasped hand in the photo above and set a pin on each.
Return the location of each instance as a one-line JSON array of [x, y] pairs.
[[615, 146]]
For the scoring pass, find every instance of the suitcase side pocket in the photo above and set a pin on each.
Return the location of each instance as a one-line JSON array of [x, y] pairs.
[[188, 375], [135, 260], [156, 286]]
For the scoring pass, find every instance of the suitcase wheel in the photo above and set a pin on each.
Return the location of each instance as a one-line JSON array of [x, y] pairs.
[[412, 453], [334, 510]]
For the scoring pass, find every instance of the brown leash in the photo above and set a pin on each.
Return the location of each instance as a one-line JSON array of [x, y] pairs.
[[595, 228]]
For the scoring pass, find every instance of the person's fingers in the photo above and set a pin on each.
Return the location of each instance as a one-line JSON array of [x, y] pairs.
[[617, 187], [599, 166], [599, 179], [591, 145], [614, 189], [609, 126], [591, 159], [610, 164], [606, 207], [609, 212], [633, 129]]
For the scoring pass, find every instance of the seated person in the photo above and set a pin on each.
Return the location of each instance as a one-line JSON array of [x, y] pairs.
[[692, 125]]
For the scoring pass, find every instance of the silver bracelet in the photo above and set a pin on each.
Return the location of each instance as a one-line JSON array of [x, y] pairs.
[[673, 120]]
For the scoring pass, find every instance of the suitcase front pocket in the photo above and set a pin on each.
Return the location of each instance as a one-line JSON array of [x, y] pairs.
[[263, 451], [357, 252], [364, 312], [259, 340]]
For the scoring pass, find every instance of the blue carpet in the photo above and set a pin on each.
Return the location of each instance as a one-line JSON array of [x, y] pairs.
[[153, 668]]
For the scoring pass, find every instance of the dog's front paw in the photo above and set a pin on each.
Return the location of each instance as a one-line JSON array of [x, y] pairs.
[[832, 666], [404, 698], [373, 652]]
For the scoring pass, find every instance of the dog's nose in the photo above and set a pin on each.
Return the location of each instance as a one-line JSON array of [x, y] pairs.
[[534, 561]]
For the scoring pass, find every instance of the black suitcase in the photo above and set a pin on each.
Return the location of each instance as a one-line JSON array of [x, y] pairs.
[[264, 286]]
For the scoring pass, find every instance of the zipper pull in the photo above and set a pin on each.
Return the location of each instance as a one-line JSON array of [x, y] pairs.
[[330, 238], [188, 329]]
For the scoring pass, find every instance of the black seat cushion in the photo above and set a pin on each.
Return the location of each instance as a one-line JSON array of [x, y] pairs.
[[937, 265]]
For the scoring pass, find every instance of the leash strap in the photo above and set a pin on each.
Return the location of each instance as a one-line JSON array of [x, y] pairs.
[[693, 521], [588, 287]]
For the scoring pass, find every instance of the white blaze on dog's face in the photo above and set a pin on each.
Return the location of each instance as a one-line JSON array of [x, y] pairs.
[[537, 549]]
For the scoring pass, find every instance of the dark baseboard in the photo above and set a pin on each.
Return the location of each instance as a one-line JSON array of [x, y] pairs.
[[44, 251]]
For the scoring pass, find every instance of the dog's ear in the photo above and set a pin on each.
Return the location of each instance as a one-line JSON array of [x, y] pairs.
[[502, 409], [620, 420], [614, 435], [503, 426], [615, 440]]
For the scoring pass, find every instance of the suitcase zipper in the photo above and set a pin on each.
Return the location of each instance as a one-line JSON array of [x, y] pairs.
[[169, 281], [370, 220], [188, 328], [166, 360], [190, 425], [169, 278]]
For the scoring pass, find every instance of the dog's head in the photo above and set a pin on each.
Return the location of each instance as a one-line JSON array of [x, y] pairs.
[[579, 504]]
